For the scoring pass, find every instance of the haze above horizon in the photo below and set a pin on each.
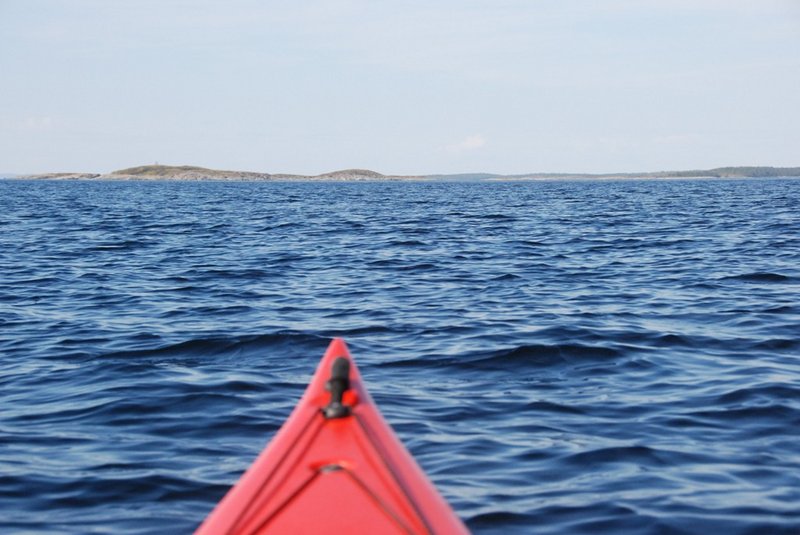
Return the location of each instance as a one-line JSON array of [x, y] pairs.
[[506, 87]]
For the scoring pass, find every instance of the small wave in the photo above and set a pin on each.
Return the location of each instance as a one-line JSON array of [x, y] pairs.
[[774, 413], [529, 243], [546, 406], [781, 309], [422, 266], [490, 217], [763, 394], [638, 455], [361, 331], [124, 245], [205, 347], [279, 226], [760, 276], [503, 520], [387, 263], [778, 344], [408, 243], [248, 273], [539, 355], [506, 277]]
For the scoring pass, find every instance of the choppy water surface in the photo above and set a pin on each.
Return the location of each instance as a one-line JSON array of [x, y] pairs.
[[574, 357]]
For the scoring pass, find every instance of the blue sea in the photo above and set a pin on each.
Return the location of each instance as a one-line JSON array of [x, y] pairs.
[[560, 357]]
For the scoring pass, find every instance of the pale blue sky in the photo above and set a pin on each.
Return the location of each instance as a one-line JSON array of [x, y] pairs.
[[443, 86]]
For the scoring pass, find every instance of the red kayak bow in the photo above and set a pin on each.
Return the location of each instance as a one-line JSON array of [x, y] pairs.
[[334, 467]]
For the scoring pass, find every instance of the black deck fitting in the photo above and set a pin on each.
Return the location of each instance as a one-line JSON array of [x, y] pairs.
[[338, 384]]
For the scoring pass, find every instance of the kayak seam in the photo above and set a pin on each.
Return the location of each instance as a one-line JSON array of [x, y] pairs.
[[257, 494], [285, 503], [383, 505], [400, 481]]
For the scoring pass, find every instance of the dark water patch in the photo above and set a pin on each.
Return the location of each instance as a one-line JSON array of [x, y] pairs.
[[422, 266], [507, 277], [408, 243], [775, 413], [760, 277], [216, 347], [637, 455], [499, 522], [762, 394], [778, 344], [553, 407], [122, 245], [529, 244], [375, 329], [495, 217], [783, 309], [537, 355]]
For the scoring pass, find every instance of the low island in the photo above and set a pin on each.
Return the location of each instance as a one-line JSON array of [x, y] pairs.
[[190, 173]]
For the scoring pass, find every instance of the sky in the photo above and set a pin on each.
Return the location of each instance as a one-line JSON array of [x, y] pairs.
[[401, 87]]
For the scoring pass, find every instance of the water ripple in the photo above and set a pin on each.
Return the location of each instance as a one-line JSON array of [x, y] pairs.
[[561, 357]]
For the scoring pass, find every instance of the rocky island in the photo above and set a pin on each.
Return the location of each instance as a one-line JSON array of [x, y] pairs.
[[193, 173], [190, 173]]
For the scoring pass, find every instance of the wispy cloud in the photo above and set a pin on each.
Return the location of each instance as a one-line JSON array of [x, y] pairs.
[[470, 143], [31, 124], [37, 124]]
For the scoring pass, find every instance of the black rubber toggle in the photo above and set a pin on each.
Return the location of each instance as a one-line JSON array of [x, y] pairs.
[[338, 384]]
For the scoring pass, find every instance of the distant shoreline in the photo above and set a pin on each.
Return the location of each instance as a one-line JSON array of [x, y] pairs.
[[192, 173]]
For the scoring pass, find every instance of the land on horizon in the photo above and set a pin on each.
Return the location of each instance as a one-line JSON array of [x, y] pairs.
[[194, 173]]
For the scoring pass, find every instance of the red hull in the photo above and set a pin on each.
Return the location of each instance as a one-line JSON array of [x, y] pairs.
[[340, 473]]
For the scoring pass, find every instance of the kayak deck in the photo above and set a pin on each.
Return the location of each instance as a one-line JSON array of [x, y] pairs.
[[334, 465]]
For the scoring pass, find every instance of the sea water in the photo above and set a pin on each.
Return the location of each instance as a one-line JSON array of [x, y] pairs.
[[560, 357]]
